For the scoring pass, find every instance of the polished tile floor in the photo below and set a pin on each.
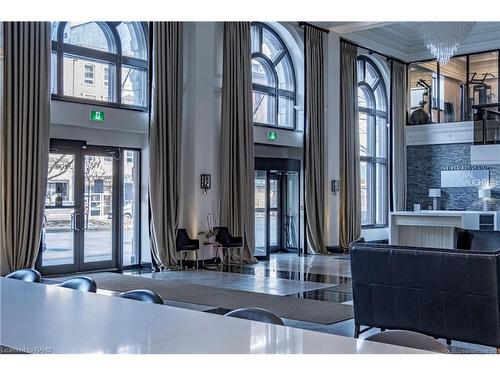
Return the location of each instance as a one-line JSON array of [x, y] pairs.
[[239, 281], [298, 275], [320, 277]]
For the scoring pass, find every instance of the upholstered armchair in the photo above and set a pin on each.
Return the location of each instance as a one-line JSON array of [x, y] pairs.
[[185, 244]]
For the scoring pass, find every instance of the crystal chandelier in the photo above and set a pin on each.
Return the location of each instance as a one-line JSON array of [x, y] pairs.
[[443, 38]]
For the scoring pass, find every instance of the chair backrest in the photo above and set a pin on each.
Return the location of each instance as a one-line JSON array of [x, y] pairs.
[[223, 236], [409, 339], [256, 313], [486, 240], [27, 274], [81, 283], [182, 237], [143, 295]]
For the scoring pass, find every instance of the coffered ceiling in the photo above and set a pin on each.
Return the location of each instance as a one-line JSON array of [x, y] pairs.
[[401, 39]]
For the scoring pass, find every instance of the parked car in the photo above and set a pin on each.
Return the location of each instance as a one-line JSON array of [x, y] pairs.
[[127, 212]]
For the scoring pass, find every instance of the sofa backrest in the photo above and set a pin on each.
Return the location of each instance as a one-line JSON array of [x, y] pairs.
[[440, 292], [487, 240]]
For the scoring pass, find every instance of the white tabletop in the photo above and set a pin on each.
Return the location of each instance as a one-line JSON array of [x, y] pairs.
[[47, 318], [440, 213]]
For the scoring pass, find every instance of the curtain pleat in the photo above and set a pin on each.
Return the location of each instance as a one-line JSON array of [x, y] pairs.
[[350, 188], [314, 170], [165, 130], [24, 141], [398, 93], [237, 153]]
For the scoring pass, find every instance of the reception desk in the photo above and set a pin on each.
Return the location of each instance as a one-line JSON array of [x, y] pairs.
[[435, 228]]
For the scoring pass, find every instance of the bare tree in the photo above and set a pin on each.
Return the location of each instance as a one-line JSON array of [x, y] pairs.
[[60, 166]]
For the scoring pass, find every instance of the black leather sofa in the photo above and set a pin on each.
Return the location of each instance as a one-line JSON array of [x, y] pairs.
[[445, 293]]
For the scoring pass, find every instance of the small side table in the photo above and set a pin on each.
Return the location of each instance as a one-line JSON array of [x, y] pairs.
[[214, 246]]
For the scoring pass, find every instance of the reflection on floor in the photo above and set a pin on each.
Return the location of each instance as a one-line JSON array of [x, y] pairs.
[[320, 277], [259, 284]]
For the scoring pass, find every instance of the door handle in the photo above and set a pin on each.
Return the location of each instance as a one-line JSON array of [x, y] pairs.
[[85, 221], [73, 220]]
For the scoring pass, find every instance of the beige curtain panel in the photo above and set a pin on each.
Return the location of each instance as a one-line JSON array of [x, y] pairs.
[[24, 141], [237, 156], [314, 171], [165, 142], [398, 97], [350, 189]]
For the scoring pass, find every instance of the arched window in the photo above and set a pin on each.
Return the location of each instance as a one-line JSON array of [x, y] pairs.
[[273, 79], [100, 61], [373, 134]]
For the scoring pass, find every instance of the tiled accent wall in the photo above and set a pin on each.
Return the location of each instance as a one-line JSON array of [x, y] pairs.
[[424, 164]]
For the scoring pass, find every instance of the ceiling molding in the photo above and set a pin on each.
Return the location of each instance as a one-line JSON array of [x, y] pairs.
[[352, 27], [376, 46], [400, 39]]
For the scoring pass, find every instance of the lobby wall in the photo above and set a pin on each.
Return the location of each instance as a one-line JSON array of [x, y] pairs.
[[424, 163]]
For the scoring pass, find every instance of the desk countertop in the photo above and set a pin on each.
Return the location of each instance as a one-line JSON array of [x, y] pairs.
[[439, 213], [59, 320]]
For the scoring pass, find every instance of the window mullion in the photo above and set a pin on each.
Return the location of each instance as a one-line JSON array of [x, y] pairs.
[[60, 70], [374, 193], [278, 58], [118, 85]]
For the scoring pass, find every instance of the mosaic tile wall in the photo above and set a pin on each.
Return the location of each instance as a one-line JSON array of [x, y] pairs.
[[424, 172]]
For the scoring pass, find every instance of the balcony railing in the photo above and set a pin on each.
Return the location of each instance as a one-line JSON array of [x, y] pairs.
[[486, 123]]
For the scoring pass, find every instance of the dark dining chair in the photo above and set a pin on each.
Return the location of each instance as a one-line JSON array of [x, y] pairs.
[[228, 242], [28, 274], [409, 339], [257, 314], [143, 295], [81, 283], [185, 244]]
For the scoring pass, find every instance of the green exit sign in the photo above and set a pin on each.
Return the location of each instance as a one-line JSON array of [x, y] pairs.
[[272, 135], [97, 116]]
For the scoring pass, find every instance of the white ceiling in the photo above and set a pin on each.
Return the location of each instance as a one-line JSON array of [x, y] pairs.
[[401, 40]]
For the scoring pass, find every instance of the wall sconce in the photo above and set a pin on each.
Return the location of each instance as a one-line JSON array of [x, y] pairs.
[[205, 182], [335, 186]]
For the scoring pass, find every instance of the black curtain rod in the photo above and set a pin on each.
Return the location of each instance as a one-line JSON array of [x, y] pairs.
[[373, 51], [313, 26]]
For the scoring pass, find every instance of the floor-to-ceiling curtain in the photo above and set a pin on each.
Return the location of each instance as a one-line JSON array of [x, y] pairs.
[[165, 141], [314, 163], [398, 118], [350, 188], [24, 141], [237, 154]]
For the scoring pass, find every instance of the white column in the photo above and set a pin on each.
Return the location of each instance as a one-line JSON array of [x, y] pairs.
[[332, 85]]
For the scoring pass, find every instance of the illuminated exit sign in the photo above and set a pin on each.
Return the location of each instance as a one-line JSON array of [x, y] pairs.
[[272, 135], [97, 116]]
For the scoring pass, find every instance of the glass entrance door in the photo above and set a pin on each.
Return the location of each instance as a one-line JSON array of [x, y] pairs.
[[97, 229], [277, 217], [274, 212], [291, 214], [79, 229], [62, 203], [260, 214]]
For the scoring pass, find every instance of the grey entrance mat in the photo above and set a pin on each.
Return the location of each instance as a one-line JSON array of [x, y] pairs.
[[307, 310]]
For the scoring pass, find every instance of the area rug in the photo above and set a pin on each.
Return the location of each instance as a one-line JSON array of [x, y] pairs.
[[307, 310]]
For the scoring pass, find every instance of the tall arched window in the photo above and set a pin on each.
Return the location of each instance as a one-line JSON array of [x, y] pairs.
[[100, 61], [273, 79], [373, 134]]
